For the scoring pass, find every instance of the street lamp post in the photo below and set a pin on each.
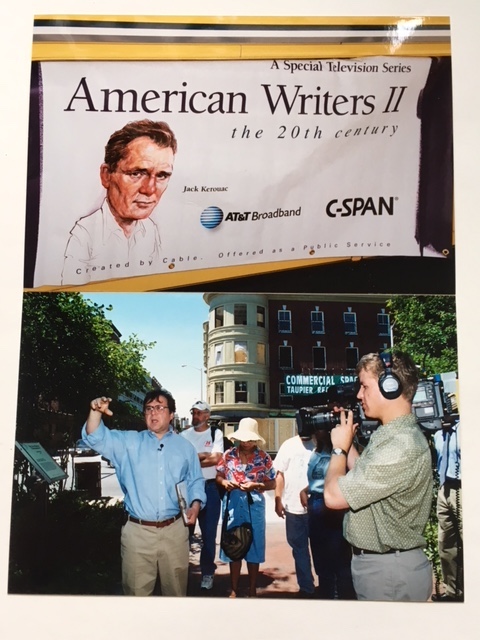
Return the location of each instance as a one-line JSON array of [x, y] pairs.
[[201, 377], [391, 335]]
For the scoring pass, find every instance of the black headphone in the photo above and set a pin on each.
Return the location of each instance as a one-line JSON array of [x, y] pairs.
[[389, 384]]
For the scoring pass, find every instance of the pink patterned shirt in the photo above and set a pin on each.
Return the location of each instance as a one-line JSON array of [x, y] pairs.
[[258, 470]]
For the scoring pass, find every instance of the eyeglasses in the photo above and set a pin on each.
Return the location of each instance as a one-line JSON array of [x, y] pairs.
[[155, 408], [139, 174]]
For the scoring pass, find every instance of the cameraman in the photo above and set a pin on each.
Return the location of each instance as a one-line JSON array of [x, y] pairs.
[[388, 489]]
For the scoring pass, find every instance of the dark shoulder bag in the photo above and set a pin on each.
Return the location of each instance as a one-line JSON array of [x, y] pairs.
[[236, 541]]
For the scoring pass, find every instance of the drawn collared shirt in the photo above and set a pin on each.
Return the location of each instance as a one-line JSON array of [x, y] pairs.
[[99, 250]]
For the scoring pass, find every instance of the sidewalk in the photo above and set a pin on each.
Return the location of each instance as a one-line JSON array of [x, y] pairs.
[[277, 574], [276, 578]]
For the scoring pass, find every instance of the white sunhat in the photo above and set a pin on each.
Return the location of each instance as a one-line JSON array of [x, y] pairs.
[[247, 430]]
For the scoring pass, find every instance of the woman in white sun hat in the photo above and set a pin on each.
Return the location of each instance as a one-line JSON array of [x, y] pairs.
[[246, 470]]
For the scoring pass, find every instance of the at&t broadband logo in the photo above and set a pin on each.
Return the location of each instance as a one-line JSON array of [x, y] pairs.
[[211, 217]]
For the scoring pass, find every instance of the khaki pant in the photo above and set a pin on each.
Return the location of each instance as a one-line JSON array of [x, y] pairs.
[[400, 576], [148, 551], [450, 538]]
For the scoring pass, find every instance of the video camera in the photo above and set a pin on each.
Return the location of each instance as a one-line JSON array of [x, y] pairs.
[[324, 418], [431, 407]]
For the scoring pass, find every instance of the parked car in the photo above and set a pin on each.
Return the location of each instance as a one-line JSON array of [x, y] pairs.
[[83, 449]]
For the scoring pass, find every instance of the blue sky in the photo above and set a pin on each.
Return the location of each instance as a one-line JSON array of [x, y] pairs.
[[172, 320]]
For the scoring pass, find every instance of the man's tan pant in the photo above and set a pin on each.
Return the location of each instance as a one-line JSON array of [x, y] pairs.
[[148, 551], [450, 537]]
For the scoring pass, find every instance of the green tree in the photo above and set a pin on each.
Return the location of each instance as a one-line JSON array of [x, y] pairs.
[[70, 351], [426, 328]]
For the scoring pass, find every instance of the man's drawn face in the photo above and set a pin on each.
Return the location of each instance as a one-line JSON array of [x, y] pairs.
[[135, 187]]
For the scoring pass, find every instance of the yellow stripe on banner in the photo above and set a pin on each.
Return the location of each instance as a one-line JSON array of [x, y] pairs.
[[404, 29], [166, 281], [44, 51], [259, 20]]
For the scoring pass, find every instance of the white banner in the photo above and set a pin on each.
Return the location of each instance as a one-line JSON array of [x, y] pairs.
[[277, 160]]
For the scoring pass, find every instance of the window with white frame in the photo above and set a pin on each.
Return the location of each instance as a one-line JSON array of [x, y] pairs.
[[350, 322], [240, 314], [262, 393], [240, 352], [351, 357], [218, 353], [285, 399], [285, 357], [219, 393], [383, 323], [260, 316], [319, 354], [241, 391], [218, 314], [317, 321], [284, 320], [261, 353]]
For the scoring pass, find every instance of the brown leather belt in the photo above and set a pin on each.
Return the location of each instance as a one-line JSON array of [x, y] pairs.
[[154, 523]]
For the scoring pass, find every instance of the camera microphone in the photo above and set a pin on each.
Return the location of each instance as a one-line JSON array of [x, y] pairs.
[[160, 447]]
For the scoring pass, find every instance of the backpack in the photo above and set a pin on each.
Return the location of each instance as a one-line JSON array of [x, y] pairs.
[[227, 444]]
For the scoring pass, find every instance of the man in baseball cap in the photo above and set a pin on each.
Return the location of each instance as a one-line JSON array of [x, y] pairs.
[[208, 443], [200, 405]]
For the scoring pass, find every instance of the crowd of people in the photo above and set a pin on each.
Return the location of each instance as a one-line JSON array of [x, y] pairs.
[[355, 519]]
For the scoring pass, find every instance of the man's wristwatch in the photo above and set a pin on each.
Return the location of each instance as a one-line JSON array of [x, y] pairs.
[[338, 452]]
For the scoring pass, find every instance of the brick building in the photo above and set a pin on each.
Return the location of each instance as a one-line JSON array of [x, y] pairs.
[[267, 355]]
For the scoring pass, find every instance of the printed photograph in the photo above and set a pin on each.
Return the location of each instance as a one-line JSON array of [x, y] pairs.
[[238, 445]]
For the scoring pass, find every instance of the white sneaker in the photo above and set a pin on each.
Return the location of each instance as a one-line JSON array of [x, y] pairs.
[[207, 582]]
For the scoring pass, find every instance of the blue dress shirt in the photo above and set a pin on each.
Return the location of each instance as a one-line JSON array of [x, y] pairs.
[[148, 469], [447, 445]]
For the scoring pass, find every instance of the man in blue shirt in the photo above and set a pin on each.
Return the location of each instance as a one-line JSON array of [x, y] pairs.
[[149, 464], [449, 512]]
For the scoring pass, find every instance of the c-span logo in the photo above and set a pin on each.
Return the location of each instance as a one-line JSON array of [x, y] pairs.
[[211, 217]]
